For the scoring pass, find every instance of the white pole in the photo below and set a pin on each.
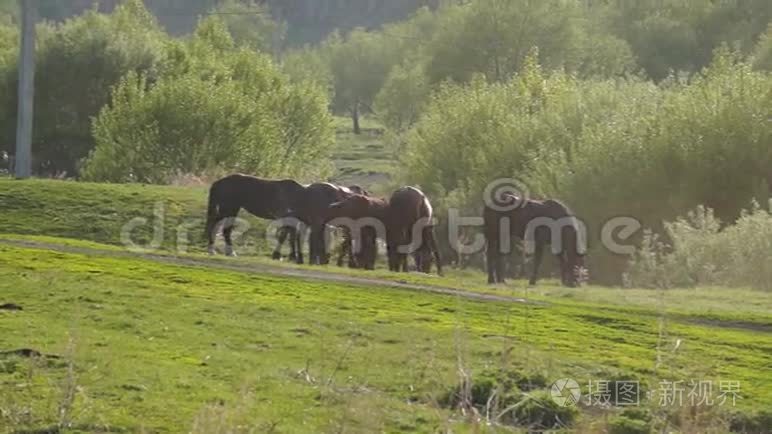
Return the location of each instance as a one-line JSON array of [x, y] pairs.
[[23, 161]]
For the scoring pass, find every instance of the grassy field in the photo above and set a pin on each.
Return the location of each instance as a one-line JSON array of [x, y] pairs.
[[363, 159], [158, 347]]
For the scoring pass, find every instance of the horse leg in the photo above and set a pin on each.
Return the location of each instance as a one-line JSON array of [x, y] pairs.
[[316, 247], [368, 249], [281, 236], [344, 250], [297, 236], [211, 228], [537, 257], [227, 234], [292, 232], [432, 243], [564, 276], [354, 248], [492, 258], [407, 236], [325, 234]]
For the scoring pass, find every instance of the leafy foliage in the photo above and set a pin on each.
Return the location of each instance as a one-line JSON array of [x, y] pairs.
[[173, 99], [216, 108], [251, 25], [359, 64], [607, 148], [702, 253], [77, 63]]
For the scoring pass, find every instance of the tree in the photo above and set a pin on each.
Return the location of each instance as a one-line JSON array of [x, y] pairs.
[[493, 37], [250, 24], [359, 64], [401, 100], [77, 64], [215, 107], [762, 55]]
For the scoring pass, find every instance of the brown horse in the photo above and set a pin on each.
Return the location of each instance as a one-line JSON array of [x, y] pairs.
[[398, 221], [310, 213], [360, 250], [542, 223], [264, 198]]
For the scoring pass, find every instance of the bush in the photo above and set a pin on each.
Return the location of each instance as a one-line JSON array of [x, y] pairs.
[[701, 253], [215, 108], [756, 422], [605, 148], [77, 63], [625, 425], [537, 410]]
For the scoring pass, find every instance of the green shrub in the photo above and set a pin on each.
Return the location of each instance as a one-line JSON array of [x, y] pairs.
[[605, 148], [215, 108], [625, 425], [756, 422], [77, 63], [702, 253], [537, 410]]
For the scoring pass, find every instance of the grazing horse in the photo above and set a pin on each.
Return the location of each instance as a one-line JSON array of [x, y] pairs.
[[542, 223], [264, 198], [400, 217], [310, 210], [363, 256]]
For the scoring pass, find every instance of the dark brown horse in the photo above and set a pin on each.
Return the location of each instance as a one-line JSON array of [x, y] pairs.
[[404, 222], [264, 198], [360, 249], [542, 223], [310, 211], [410, 212]]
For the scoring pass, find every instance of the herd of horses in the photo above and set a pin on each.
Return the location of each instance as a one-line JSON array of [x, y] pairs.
[[404, 222]]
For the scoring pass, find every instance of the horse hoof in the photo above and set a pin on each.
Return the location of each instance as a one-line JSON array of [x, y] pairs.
[[211, 250], [230, 252], [276, 256]]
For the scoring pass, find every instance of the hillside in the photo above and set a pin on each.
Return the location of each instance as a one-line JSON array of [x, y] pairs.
[[132, 331]]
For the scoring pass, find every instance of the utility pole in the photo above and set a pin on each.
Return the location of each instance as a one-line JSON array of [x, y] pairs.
[[23, 163]]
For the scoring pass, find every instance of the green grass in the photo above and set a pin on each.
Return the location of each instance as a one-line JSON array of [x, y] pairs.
[[69, 212], [98, 212], [363, 159], [171, 348], [141, 335]]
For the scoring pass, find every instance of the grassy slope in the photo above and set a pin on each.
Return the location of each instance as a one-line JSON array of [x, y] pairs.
[[113, 308], [97, 212], [362, 159], [142, 335]]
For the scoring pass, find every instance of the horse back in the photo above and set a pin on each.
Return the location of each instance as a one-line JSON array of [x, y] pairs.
[[408, 205], [265, 198]]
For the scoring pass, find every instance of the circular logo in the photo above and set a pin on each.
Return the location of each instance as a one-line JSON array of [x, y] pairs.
[[565, 392], [505, 194]]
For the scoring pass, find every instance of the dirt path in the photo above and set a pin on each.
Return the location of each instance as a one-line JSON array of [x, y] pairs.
[[263, 269]]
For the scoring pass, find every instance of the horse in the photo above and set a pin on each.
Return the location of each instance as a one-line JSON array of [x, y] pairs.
[[537, 222], [410, 208], [360, 249], [310, 212], [396, 220], [263, 198]]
